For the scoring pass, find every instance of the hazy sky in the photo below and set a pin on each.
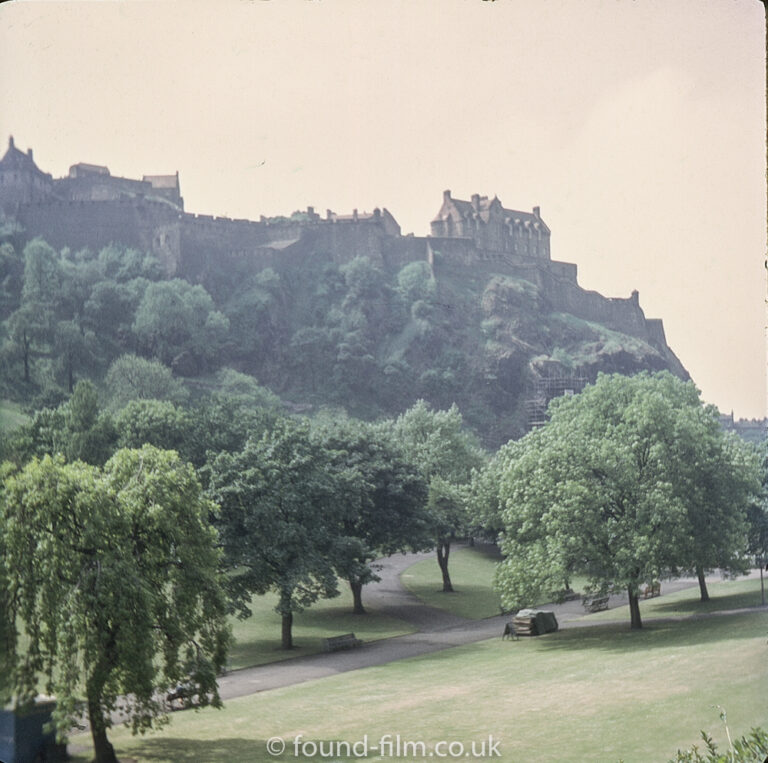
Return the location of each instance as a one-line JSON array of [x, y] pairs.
[[638, 127]]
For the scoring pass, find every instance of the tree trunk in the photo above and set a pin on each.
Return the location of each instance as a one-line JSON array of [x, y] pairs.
[[103, 750], [443, 551], [702, 584], [357, 595], [287, 634], [26, 359], [634, 608], [287, 625]]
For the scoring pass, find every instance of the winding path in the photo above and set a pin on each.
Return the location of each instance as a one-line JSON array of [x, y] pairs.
[[437, 630]]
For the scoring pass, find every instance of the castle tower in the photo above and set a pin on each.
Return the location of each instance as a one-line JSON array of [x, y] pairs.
[[21, 182]]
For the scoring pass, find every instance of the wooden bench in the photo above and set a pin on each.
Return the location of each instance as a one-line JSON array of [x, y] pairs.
[[345, 641], [652, 590], [596, 605]]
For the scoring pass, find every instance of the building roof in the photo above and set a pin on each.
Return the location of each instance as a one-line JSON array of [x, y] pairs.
[[481, 205], [162, 181], [18, 160], [94, 169]]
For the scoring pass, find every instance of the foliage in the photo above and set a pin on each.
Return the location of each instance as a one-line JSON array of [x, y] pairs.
[[382, 498], [746, 749], [278, 521], [133, 378], [446, 455], [175, 318], [629, 481], [113, 577], [76, 429]]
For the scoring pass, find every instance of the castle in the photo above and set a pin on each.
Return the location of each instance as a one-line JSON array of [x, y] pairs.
[[92, 208]]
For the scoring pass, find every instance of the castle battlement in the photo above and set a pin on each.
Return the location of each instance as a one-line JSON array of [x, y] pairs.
[[92, 208]]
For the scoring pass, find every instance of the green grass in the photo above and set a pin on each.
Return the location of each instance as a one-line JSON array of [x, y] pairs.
[[471, 571], [732, 594], [11, 415], [257, 639], [599, 693]]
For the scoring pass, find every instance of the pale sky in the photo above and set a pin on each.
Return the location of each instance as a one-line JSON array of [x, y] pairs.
[[637, 126]]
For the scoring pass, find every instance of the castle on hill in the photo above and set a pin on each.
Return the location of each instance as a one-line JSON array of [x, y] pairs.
[[92, 208]]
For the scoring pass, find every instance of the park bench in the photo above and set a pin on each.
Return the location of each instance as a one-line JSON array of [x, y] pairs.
[[597, 604], [652, 590], [345, 641]]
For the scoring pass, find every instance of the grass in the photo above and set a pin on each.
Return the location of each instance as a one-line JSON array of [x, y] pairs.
[[728, 595], [257, 639], [11, 415], [599, 693], [472, 570]]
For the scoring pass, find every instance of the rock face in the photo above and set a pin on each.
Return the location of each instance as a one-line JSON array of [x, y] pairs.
[[498, 325]]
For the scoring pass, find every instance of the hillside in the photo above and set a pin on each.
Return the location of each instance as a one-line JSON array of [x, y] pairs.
[[340, 310]]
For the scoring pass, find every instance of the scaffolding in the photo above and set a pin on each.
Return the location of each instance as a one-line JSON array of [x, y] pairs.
[[545, 389]]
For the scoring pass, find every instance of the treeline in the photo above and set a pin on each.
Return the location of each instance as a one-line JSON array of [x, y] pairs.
[[315, 332]]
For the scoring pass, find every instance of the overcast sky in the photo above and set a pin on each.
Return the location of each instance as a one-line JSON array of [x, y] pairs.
[[637, 127]]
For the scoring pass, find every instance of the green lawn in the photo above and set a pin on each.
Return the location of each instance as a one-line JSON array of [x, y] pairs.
[[599, 693], [257, 639], [11, 415], [731, 594], [472, 570]]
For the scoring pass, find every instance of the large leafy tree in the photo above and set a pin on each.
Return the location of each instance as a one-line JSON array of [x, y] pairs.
[[133, 378], [113, 578], [382, 498], [446, 455], [175, 319], [626, 483], [77, 429], [279, 520]]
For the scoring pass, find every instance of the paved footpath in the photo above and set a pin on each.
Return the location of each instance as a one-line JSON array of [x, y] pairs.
[[437, 630]]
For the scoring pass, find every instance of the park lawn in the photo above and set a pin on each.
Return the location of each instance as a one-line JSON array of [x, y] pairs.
[[599, 693], [727, 595], [11, 416], [257, 639], [472, 571]]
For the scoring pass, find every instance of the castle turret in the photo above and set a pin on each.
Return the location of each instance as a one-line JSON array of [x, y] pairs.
[[21, 181]]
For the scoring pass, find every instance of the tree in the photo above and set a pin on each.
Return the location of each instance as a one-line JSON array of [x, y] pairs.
[[617, 486], [156, 422], [133, 378], [382, 498], [278, 520], [175, 318], [113, 577], [77, 429], [446, 455]]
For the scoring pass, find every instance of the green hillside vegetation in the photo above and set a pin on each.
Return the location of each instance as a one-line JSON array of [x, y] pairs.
[[314, 331]]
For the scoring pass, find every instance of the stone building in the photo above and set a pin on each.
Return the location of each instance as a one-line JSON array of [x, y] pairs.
[[21, 181], [492, 227]]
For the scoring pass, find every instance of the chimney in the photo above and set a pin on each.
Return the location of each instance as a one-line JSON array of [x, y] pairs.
[[10, 142], [446, 195], [328, 214], [476, 201], [354, 215], [29, 154], [537, 213], [310, 212]]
